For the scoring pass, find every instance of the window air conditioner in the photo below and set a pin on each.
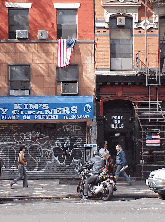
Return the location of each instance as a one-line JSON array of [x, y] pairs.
[[68, 88], [19, 92], [22, 34], [42, 34], [120, 20]]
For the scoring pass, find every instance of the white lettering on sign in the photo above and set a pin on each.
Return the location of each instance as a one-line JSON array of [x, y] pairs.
[[117, 122], [3, 111]]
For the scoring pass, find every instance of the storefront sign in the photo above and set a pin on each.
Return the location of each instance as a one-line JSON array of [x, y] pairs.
[[46, 108], [117, 122]]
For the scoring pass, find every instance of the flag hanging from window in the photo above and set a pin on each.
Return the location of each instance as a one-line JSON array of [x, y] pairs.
[[65, 49]]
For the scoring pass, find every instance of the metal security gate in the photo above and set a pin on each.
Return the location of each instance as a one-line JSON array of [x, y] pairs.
[[52, 150], [121, 43]]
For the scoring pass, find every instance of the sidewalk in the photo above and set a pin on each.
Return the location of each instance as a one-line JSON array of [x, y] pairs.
[[55, 189]]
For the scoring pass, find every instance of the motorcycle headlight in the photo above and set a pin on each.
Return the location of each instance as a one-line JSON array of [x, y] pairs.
[[104, 177]]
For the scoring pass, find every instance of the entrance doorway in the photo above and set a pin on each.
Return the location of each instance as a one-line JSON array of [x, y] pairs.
[[113, 141], [126, 141]]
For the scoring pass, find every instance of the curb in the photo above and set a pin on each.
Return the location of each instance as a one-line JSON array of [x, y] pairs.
[[38, 198], [74, 196]]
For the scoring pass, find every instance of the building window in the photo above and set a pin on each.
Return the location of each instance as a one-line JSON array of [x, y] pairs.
[[121, 43], [19, 80], [18, 23], [68, 73], [68, 78], [69, 88], [66, 23]]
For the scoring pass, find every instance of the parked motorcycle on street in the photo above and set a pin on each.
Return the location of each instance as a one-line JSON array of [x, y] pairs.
[[102, 187]]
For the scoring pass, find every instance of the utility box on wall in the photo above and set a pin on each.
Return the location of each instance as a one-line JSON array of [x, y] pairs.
[[42, 34], [120, 20], [89, 149]]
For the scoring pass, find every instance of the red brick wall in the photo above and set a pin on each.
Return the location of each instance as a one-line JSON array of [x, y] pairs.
[[42, 15], [102, 53], [102, 49], [43, 60]]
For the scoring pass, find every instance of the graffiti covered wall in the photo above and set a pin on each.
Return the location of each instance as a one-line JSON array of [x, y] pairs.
[[52, 150]]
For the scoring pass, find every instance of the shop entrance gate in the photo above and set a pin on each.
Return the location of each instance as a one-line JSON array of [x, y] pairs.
[[52, 150]]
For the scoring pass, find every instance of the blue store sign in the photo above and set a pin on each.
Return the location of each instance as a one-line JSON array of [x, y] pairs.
[[46, 108]]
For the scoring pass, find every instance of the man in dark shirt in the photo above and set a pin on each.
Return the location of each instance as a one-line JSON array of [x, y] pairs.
[[121, 164], [98, 165]]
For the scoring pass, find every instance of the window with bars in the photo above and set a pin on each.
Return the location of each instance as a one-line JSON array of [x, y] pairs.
[[18, 20], [66, 23], [19, 80]]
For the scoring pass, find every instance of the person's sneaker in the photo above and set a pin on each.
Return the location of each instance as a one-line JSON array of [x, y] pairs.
[[84, 198]]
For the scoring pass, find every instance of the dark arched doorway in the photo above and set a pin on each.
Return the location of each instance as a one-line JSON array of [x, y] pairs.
[[119, 129]]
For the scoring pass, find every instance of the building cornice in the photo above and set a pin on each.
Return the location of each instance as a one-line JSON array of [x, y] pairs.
[[120, 3]]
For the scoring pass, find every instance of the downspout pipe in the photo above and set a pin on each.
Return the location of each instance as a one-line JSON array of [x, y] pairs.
[[147, 4]]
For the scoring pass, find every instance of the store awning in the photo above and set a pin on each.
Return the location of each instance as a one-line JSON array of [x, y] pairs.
[[46, 108]]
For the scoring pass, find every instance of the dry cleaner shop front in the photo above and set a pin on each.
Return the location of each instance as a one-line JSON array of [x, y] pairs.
[[53, 130]]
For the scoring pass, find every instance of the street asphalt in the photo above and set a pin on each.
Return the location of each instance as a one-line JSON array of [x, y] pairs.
[[62, 189]]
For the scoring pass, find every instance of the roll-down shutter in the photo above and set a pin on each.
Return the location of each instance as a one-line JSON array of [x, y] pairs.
[[52, 150]]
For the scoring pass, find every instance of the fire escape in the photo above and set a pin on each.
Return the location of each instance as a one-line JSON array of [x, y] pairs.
[[151, 113]]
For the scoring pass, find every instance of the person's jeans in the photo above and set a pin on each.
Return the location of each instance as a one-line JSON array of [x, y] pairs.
[[119, 167], [88, 181], [22, 173]]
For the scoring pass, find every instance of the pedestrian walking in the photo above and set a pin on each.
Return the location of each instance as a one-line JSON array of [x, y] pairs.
[[121, 164], [21, 168]]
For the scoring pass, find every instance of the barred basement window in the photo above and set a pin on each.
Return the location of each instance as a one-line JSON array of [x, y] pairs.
[[19, 80]]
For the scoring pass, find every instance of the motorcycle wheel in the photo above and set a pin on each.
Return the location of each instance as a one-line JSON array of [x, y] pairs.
[[107, 193], [80, 188], [162, 196]]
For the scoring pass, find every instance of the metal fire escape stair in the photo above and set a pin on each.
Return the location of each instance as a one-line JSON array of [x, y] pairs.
[[151, 117]]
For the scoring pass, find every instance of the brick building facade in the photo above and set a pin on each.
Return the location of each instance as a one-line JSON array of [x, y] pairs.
[[129, 68], [37, 98]]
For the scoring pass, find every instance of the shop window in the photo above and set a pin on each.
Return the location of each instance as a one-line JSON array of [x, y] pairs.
[[19, 80], [66, 23], [18, 23]]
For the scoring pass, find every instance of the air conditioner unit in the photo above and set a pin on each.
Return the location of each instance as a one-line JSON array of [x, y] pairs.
[[19, 92], [120, 20], [42, 34], [22, 34], [68, 88]]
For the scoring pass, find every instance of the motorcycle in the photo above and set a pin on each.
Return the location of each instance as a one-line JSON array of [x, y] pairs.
[[102, 187]]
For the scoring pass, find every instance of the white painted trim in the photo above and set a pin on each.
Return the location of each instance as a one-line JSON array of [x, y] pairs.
[[18, 5], [66, 5], [100, 25]]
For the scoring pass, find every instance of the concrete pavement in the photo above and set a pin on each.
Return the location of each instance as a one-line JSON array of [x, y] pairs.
[[61, 189]]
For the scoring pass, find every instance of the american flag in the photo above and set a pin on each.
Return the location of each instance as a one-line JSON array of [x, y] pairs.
[[152, 140], [65, 49]]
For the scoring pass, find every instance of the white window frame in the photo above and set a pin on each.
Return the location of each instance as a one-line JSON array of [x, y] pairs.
[[18, 5], [67, 5]]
